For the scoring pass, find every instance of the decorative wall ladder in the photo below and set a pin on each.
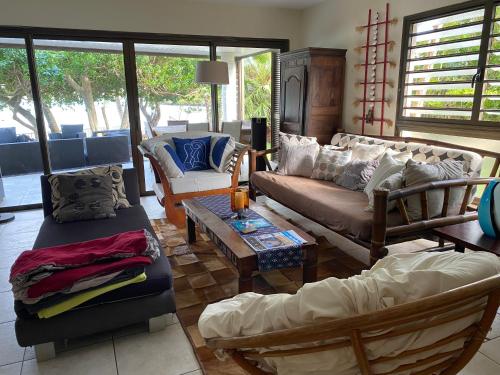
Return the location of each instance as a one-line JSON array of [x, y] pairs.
[[374, 97]]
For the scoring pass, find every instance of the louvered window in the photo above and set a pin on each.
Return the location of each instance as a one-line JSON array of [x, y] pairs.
[[450, 71]]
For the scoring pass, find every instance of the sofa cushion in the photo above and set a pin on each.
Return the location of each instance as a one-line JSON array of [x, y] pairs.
[[159, 274], [221, 152], [336, 207], [367, 152], [169, 161], [297, 160], [357, 174], [193, 152], [330, 163], [420, 151], [194, 181]]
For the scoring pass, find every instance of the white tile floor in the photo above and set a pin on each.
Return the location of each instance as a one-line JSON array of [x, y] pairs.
[[132, 350]]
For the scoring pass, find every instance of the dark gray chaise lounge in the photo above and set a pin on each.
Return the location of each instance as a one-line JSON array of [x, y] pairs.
[[150, 301]]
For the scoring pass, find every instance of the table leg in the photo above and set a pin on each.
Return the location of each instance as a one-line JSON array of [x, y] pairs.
[[310, 265], [191, 229], [245, 281]]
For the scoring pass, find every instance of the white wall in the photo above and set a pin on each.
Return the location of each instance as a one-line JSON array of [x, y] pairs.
[[160, 16], [332, 24]]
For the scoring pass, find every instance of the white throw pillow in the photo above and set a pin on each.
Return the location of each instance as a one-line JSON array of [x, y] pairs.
[[297, 160], [330, 163], [397, 155], [169, 161], [294, 139], [367, 152], [221, 152], [387, 167]]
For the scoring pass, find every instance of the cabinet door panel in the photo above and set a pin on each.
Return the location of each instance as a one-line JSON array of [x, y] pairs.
[[293, 93]]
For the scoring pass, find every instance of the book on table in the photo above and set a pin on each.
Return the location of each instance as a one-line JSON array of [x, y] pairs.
[[273, 241], [250, 225]]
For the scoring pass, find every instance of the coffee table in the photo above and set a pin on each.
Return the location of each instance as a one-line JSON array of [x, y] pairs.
[[243, 258], [468, 235]]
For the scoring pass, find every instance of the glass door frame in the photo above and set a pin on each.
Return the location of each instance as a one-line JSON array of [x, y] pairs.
[[127, 39]]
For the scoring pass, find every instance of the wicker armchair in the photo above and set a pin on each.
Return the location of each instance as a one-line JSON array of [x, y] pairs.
[[172, 202], [435, 311]]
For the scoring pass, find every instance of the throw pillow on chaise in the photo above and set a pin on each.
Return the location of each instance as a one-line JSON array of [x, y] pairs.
[[114, 171], [366, 152], [293, 139], [221, 151], [85, 197], [169, 161], [357, 174], [297, 160], [193, 152]]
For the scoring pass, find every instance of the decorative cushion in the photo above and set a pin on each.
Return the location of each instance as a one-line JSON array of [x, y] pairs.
[[297, 159], [221, 151], [85, 197], [169, 160], [357, 174], [330, 163], [195, 181], [387, 167], [193, 152], [294, 139], [367, 152], [114, 171], [418, 173]]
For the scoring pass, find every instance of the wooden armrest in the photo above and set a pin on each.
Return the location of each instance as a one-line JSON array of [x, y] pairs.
[[265, 152]]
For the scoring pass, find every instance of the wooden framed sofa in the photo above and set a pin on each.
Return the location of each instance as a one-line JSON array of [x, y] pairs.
[[360, 332], [343, 210], [171, 191]]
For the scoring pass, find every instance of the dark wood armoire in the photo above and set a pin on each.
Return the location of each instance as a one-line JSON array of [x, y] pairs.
[[312, 89]]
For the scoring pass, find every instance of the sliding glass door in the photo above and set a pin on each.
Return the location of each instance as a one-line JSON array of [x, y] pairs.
[[84, 102], [20, 156], [170, 100]]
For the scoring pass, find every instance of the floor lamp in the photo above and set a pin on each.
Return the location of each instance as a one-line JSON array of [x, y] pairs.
[[214, 73]]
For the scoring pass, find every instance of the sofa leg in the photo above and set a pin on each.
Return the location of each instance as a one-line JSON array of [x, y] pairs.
[[45, 351], [376, 253], [175, 214], [160, 322]]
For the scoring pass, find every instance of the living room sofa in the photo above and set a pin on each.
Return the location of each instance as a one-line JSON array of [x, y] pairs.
[[149, 301], [343, 210]]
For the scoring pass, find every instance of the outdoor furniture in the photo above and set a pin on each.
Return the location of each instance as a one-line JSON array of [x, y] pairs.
[[20, 158], [107, 150], [359, 331], [8, 135], [159, 130], [343, 210], [72, 131], [468, 235], [201, 126], [171, 192], [233, 128], [66, 153], [177, 122], [243, 258]]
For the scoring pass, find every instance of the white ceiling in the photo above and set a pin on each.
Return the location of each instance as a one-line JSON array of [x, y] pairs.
[[293, 4]]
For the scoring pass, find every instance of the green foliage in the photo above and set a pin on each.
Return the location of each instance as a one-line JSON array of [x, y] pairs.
[[258, 86]]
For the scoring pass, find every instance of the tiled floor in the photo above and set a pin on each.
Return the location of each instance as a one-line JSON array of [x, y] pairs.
[[133, 350]]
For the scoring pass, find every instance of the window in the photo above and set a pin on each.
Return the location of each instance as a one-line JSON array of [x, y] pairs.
[[450, 71]]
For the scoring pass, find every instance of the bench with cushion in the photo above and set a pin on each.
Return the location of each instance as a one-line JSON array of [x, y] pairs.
[[344, 210], [149, 301]]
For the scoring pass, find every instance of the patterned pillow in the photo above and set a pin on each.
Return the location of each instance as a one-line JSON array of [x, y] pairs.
[[114, 171], [294, 139], [419, 173], [85, 197], [169, 160], [221, 151], [297, 160], [330, 163], [367, 152], [357, 174], [193, 152], [391, 183]]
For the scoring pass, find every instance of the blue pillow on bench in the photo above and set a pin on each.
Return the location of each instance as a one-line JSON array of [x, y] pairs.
[[194, 153]]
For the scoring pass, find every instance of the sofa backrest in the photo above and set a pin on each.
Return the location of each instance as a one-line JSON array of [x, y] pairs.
[[129, 179], [421, 151], [8, 135], [149, 144]]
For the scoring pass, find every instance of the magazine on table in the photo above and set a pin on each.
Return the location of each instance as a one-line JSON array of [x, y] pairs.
[[272, 241], [250, 225]]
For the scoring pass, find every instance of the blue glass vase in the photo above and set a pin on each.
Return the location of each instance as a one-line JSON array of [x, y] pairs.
[[489, 209]]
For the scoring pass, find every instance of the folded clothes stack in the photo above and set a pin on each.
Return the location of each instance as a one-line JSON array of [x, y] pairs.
[[52, 280]]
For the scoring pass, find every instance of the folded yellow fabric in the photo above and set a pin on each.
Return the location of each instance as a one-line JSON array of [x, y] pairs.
[[80, 298]]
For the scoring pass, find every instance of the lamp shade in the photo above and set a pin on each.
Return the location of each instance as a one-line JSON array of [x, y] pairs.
[[214, 72]]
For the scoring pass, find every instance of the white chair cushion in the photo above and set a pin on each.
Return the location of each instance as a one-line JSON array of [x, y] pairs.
[[194, 181]]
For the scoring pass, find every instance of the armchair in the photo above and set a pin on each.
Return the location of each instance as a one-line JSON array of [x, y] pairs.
[[171, 191]]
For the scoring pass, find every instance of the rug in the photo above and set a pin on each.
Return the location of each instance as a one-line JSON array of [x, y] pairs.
[[202, 275]]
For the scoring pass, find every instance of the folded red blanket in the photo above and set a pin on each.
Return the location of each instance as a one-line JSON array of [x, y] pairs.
[[41, 272]]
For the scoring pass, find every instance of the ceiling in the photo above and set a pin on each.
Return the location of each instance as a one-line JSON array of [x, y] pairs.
[[292, 4]]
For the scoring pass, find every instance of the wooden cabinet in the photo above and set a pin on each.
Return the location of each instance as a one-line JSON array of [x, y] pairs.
[[312, 89]]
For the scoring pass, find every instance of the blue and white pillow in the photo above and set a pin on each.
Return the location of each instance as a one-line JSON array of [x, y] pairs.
[[169, 160], [194, 153], [221, 151]]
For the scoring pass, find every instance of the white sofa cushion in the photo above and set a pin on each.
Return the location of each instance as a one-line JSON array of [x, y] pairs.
[[169, 160], [194, 181], [391, 281]]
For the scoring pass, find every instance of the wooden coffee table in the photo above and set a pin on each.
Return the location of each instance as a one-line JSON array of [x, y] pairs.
[[469, 235], [236, 250]]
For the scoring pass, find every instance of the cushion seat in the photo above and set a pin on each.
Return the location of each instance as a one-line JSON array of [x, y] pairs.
[[159, 274], [334, 206], [195, 181]]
